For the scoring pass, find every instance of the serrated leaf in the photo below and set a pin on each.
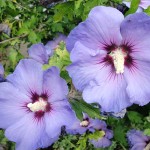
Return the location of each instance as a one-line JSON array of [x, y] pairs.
[[82, 143], [64, 9], [3, 3], [77, 4], [87, 108], [147, 132], [32, 37], [147, 10], [11, 5], [120, 135], [134, 117], [60, 58]]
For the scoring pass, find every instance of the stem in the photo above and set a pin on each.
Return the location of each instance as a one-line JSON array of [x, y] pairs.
[[19, 5], [122, 146], [21, 36]]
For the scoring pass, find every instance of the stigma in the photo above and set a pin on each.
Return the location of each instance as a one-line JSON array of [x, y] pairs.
[[118, 56], [39, 105]]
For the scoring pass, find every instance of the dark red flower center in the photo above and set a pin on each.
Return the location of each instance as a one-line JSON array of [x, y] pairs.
[[39, 105], [118, 57]]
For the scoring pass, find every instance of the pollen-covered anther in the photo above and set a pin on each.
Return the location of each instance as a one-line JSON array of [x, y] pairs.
[[37, 106], [118, 56], [84, 123]]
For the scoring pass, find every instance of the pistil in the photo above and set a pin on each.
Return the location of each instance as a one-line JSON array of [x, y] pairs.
[[38, 105], [118, 56], [84, 123]]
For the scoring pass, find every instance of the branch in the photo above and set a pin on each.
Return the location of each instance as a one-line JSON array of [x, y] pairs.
[[21, 36]]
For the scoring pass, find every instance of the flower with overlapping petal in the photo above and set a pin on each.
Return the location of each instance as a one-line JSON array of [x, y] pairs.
[[92, 125], [33, 105], [138, 141], [87, 124], [110, 58], [42, 53]]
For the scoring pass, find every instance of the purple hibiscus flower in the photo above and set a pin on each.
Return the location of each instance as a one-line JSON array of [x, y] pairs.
[[80, 127], [92, 125], [1, 73], [138, 140], [41, 53], [111, 58], [33, 105]]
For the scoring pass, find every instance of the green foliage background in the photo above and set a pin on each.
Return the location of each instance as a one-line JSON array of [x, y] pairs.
[[30, 23]]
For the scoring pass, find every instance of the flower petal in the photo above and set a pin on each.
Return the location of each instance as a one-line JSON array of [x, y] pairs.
[[54, 85], [60, 115], [11, 104], [101, 143], [138, 92], [28, 76], [1, 70], [109, 93], [1, 73], [76, 128], [38, 53], [26, 132], [135, 30], [98, 124], [145, 4], [136, 138], [138, 146], [85, 66], [101, 28]]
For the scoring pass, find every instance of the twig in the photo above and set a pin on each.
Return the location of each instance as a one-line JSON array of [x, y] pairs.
[[21, 36]]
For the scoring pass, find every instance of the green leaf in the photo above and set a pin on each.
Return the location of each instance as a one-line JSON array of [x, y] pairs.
[[96, 135], [133, 7], [2, 3], [78, 111], [147, 10], [11, 5], [120, 134], [60, 57], [87, 108], [134, 117], [13, 57], [147, 132], [57, 27], [64, 9], [77, 4], [82, 143], [32, 37]]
